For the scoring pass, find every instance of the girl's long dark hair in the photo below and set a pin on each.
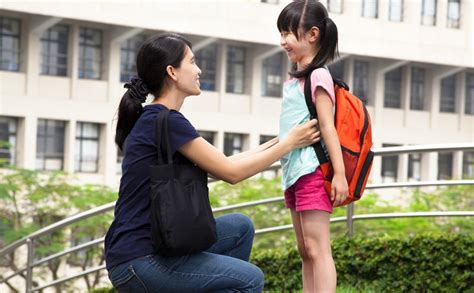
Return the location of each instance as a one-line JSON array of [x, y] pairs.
[[154, 56], [302, 15]]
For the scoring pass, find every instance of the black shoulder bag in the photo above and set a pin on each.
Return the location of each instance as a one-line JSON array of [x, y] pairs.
[[181, 218]]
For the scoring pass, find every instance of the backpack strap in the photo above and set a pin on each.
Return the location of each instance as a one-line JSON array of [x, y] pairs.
[[318, 147]]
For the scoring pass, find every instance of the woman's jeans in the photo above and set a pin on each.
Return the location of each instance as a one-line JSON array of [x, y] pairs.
[[222, 268]]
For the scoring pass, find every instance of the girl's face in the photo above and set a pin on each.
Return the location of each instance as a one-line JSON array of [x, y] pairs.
[[299, 51], [188, 75]]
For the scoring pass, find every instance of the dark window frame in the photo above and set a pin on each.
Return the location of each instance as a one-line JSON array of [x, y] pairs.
[[79, 140], [86, 70], [230, 148], [206, 59], [49, 137], [417, 89], [128, 56], [447, 102], [393, 89], [12, 63], [232, 63], [272, 66]]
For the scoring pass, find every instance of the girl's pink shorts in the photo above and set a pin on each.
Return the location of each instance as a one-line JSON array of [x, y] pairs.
[[308, 193]]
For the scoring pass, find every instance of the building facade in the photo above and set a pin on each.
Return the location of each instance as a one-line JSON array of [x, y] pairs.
[[63, 66]]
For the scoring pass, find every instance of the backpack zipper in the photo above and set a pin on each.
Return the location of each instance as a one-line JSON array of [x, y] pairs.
[[363, 174]]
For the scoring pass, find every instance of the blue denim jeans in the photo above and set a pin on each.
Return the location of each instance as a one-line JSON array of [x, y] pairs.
[[222, 268]]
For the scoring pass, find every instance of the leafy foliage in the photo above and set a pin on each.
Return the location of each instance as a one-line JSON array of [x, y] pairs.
[[423, 263]]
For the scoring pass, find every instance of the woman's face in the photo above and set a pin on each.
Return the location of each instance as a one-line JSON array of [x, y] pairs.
[[188, 74]]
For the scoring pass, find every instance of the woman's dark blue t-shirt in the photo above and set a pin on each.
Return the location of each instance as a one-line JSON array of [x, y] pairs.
[[129, 235]]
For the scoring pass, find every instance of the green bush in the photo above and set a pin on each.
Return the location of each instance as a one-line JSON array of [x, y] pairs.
[[426, 263]]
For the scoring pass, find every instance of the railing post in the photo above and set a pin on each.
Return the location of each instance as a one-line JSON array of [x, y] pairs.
[[350, 220], [29, 263]]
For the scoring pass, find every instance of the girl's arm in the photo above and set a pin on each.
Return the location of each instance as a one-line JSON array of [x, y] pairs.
[[328, 131], [207, 157]]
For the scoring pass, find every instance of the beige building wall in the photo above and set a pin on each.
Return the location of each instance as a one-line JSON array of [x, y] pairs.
[[385, 44]]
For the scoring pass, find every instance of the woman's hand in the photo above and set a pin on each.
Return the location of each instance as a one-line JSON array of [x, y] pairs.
[[339, 189], [304, 134]]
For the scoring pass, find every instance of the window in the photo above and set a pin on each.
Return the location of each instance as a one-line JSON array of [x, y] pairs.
[[207, 135], [389, 166], [414, 167], [337, 69], [233, 143], [206, 59], [469, 104], [50, 145], [118, 166], [468, 165], [417, 91], [370, 8], [454, 7], [235, 70], [8, 134], [265, 138], [54, 50], [361, 80], [9, 44], [393, 84], [335, 6], [90, 53], [448, 94], [128, 57], [428, 12], [445, 166], [396, 10], [272, 73], [86, 156]]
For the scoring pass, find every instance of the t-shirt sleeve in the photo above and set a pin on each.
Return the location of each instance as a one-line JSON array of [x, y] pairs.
[[322, 78], [181, 130]]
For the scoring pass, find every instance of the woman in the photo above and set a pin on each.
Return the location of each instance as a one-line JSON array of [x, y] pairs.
[[167, 69]]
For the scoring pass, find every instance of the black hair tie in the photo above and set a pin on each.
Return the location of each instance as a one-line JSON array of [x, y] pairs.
[[137, 89]]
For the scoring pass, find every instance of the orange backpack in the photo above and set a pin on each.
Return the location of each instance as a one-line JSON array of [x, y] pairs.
[[354, 130]]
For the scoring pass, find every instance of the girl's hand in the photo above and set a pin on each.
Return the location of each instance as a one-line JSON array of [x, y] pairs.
[[339, 189], [304, 134]]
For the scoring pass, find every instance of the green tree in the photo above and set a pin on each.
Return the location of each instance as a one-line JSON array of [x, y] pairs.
[[30, 200]]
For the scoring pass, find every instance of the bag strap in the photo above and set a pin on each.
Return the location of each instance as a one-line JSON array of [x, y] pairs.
[[318, 147], [162, 136]]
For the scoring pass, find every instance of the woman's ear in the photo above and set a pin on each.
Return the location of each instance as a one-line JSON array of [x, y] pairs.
[[171, 72], [313, 34]]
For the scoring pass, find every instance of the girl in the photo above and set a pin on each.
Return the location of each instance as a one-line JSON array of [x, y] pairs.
[[167, 69], [309, 37]]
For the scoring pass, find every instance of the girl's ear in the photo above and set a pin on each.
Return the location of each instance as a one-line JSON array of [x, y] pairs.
[[171, 72], [313, 34]]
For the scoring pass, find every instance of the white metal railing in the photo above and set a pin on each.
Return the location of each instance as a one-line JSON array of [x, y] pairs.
[[349, 218]]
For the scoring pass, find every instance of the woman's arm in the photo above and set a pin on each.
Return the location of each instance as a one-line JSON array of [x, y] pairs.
[[207, 157], [258, 149], [331, 140]]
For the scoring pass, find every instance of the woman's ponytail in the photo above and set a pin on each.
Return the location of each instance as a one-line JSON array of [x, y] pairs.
[[130, 109]]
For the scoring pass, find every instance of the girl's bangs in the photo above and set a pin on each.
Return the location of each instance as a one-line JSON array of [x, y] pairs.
[[289, 21]]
